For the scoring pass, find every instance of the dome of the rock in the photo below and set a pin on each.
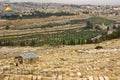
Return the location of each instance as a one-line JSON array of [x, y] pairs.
[[8, 9]]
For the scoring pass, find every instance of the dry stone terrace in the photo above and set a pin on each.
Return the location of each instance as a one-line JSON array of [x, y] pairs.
[[65, 63]]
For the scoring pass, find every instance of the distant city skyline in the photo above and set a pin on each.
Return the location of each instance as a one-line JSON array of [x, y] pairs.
[[93, 2]]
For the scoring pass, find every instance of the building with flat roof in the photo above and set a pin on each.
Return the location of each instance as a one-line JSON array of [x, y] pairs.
[[26, 58]]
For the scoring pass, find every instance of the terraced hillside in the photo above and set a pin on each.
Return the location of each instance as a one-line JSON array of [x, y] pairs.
[[52, 31]]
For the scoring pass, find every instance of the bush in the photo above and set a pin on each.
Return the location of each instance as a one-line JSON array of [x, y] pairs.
[[7, 27], [89, 25], [98, 47]]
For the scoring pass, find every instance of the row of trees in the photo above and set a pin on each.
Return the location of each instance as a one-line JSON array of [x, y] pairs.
[[6, 42], [38, 14], [35, 14]]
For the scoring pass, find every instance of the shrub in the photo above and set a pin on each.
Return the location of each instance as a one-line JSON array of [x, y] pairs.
[[98, 47], [7, 27]]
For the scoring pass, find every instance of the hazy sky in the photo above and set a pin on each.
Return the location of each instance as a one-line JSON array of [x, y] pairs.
[[107, 2]]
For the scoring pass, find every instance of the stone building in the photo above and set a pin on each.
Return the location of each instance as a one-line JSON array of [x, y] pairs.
[[27, 58]]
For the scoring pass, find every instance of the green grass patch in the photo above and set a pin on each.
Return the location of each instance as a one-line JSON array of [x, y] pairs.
[[100, 20], [94, 20]]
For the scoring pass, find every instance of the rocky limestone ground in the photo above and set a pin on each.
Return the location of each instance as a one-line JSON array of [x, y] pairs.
[[80, 62]]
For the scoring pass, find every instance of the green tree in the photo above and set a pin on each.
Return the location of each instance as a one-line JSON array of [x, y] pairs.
[[32, 43], [7, 27], [89, 25]]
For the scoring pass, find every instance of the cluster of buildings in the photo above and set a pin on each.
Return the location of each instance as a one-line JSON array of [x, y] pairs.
[[8, 13], [29, 8]]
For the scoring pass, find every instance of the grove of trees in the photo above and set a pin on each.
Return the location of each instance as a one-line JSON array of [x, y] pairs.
[[66, 37]]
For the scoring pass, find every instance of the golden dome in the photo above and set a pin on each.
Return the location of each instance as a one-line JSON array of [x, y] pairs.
[[8, 9]]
